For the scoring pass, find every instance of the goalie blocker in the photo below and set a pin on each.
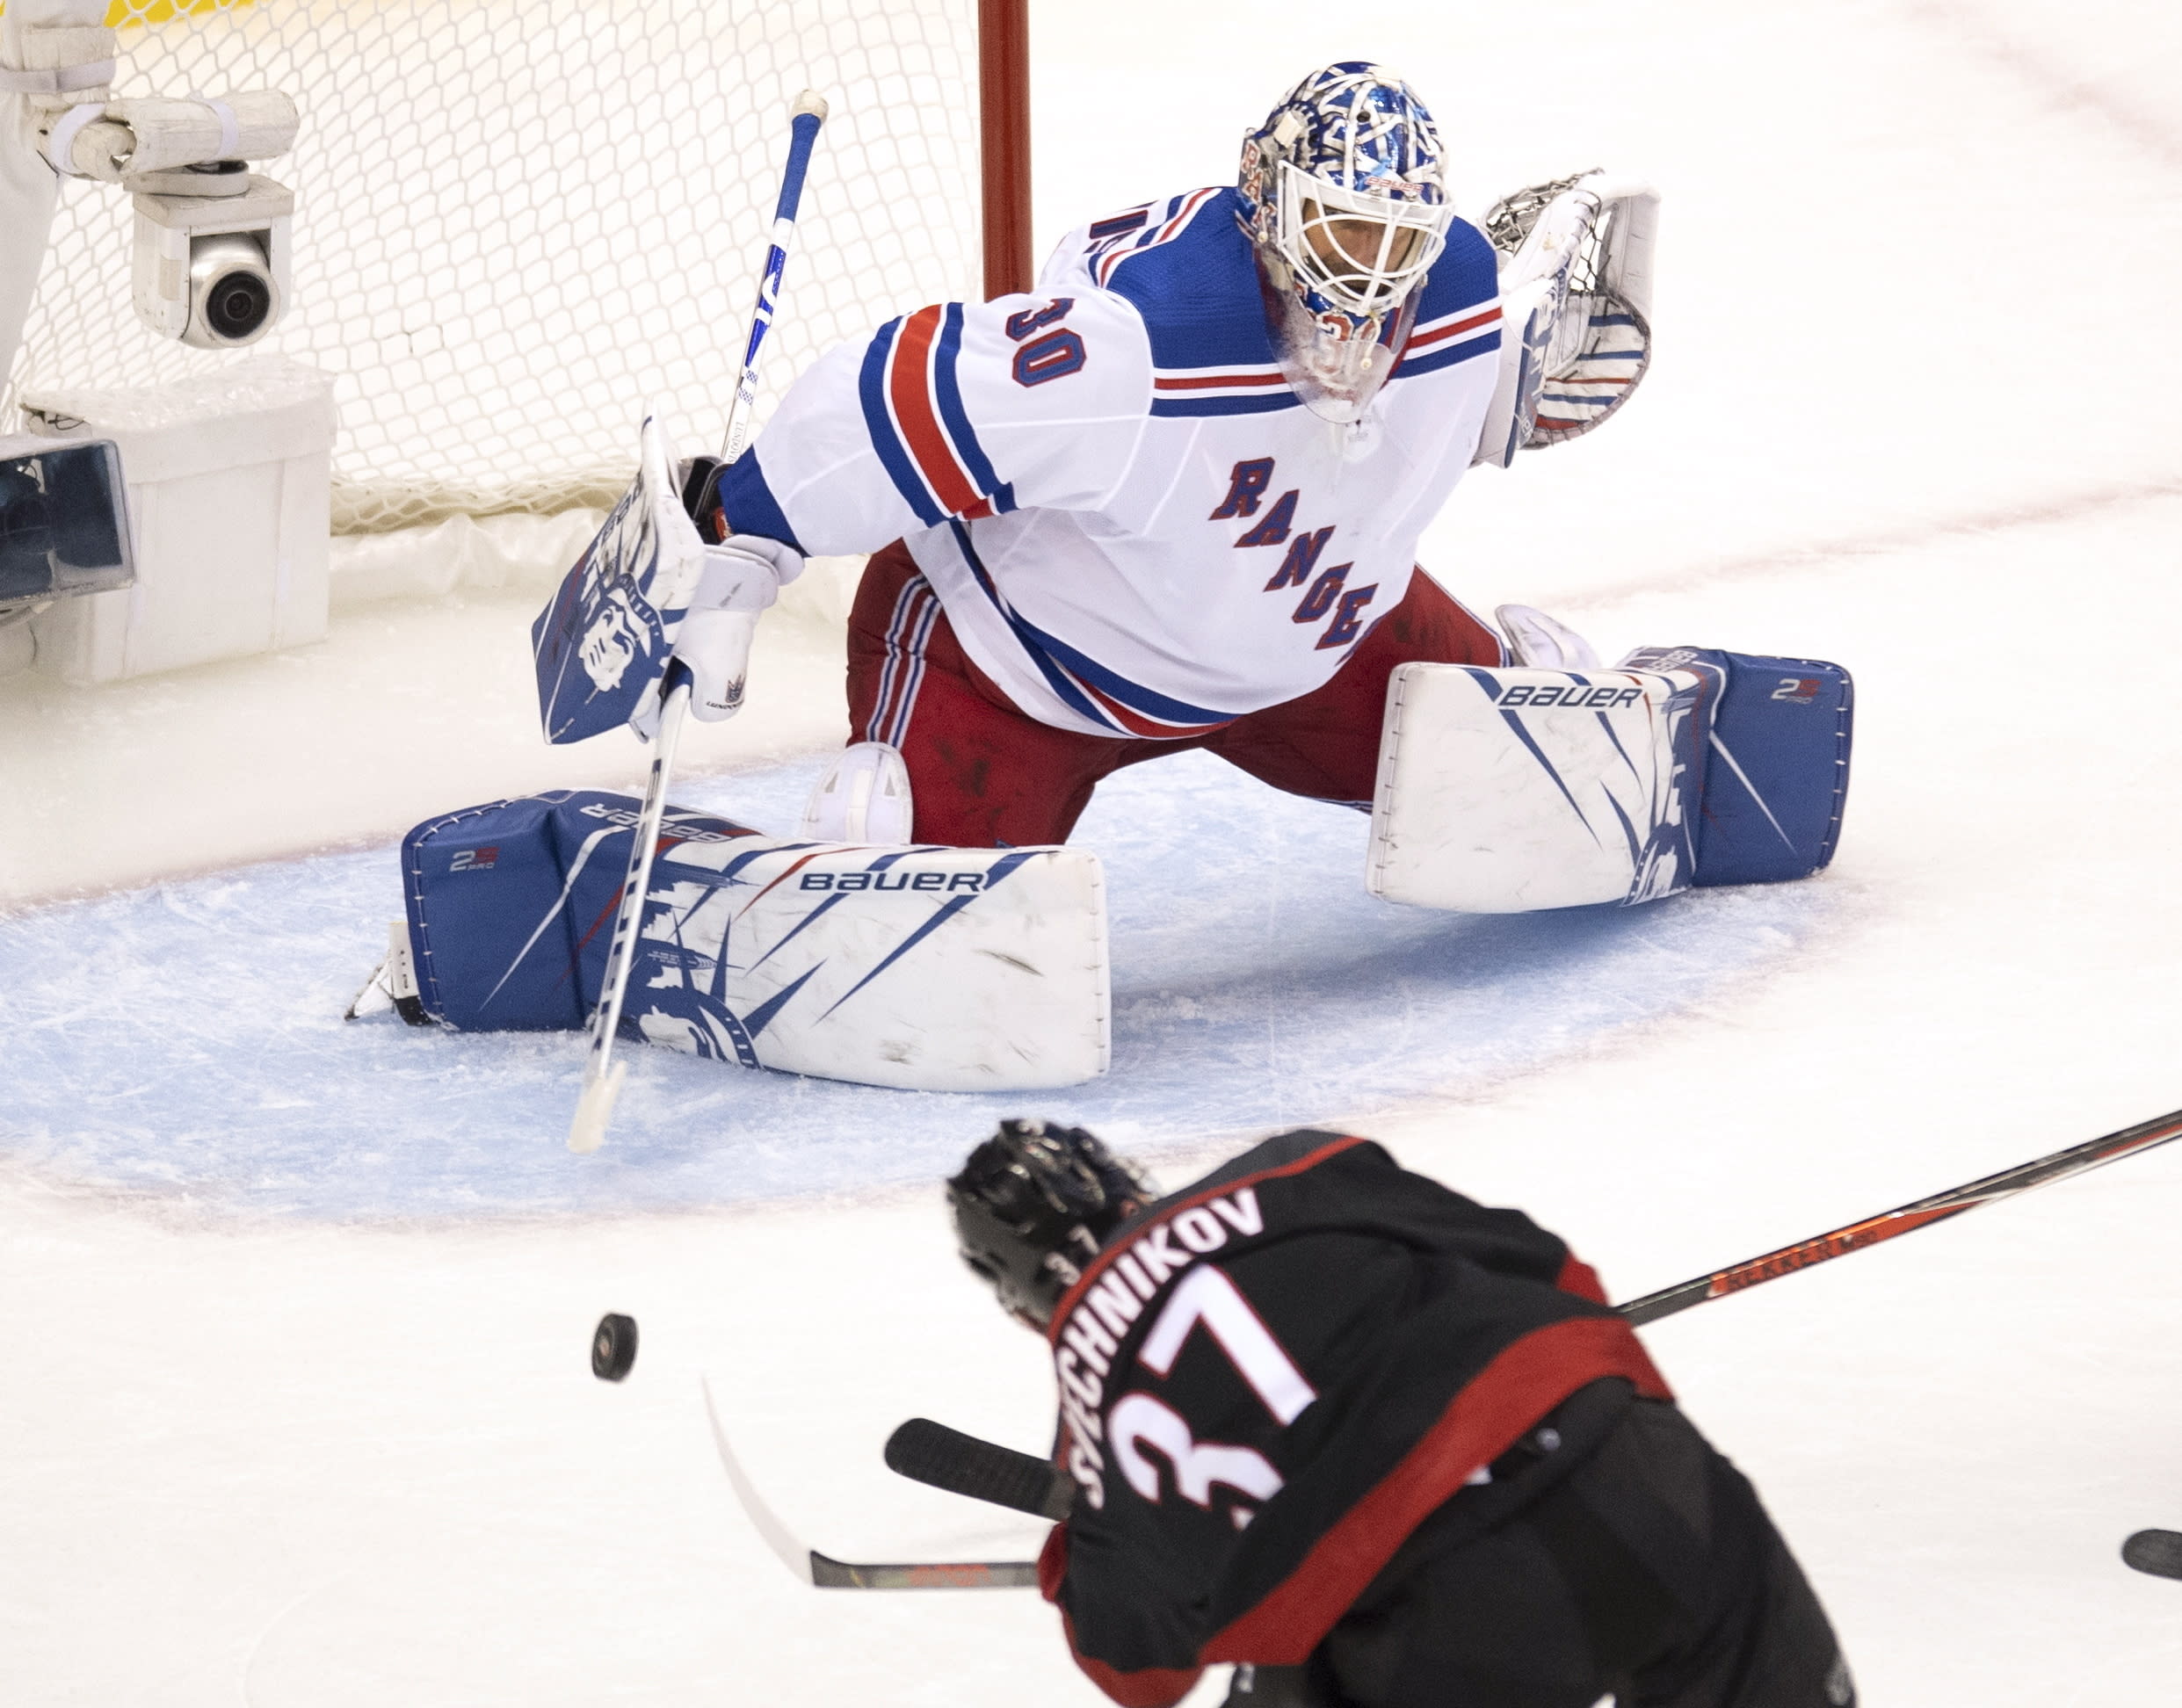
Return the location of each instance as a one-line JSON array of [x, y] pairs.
[[1513, 789], [926, 968]]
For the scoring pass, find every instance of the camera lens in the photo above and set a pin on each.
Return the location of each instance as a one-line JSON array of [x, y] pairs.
[[234, 296], [237, 304]]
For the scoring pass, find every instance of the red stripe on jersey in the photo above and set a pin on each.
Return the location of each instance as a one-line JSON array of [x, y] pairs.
[[1208, 381], [1421, 339], [908, 388], [1097, 1266], [1166, 234], [1137, 724], [1528, 1378], [1579, 1278], [1148, 1687]]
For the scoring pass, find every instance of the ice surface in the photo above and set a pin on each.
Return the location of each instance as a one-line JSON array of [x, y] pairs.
[[186, 1039], [1911, 410]]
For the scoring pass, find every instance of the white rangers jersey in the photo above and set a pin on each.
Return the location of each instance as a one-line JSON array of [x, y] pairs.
[[1135, 527]]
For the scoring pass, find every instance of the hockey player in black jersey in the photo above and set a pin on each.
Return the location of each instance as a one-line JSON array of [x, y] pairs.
[[1376, 1444]]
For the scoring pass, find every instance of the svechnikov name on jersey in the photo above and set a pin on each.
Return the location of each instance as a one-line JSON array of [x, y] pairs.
[[1123, 1283]]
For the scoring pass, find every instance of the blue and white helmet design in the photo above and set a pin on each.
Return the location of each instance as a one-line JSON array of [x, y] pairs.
[[1342, 186]]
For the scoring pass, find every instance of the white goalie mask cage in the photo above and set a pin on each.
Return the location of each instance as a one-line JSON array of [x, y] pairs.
[[1363, 251]]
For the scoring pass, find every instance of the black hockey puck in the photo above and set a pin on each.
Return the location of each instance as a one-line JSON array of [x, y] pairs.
[[2158, 1552], [612, 1347]]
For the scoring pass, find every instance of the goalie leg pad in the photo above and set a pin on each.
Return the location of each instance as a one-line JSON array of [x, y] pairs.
[[943, 969], [1513, 789], [1776, 763]]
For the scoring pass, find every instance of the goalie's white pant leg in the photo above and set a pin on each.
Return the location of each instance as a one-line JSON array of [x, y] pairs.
[[1512, 790]]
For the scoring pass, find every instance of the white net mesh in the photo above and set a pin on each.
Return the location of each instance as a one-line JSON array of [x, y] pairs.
[[518, 223]]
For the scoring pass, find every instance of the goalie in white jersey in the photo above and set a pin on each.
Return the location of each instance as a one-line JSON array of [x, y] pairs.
[[1171, 498]]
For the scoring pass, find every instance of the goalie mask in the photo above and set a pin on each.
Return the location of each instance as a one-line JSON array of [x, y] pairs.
[[1342, 193], [1032, 1206]]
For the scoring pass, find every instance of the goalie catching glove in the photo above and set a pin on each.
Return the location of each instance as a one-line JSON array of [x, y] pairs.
[[1576, 289]]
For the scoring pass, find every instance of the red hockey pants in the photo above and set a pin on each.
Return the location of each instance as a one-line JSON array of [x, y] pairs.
[[984, 773]]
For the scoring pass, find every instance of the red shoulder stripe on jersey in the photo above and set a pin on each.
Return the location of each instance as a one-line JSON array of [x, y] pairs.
[[1053, 1562], [909, 390], [1579, 1278], [1418, 341], [1529, 1377], [1098, 1263], [1163, 234]]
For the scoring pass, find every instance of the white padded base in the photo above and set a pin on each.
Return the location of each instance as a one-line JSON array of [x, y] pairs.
[[1508, 791], [933, 969]]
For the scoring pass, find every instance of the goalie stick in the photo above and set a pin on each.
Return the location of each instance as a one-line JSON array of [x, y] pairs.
[[602, 1074], [945, 1459]]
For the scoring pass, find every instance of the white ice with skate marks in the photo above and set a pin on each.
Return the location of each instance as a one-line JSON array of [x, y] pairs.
[[186, 1037]]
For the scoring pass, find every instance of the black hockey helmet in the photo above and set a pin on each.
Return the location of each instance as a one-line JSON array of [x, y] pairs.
[[1032, 1206]]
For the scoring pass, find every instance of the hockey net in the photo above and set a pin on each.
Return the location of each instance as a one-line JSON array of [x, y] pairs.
[[520, 221]]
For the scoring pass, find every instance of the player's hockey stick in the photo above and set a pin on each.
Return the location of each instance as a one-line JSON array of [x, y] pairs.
[[1892, 1224], [929, 1453], [830, 1574], [945, 1459], [602, 1074]]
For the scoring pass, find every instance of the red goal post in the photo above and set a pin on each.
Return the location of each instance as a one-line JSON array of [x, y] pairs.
[[517, 224], [1004, 120]]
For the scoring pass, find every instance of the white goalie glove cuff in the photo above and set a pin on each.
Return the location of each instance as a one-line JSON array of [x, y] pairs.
[[745, 572], [716, 647]]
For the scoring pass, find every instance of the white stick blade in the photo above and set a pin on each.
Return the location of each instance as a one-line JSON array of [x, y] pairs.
[[792, 1554], [595, 1108]]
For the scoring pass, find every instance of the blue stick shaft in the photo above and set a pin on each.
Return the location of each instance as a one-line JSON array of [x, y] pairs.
[[811, 113]]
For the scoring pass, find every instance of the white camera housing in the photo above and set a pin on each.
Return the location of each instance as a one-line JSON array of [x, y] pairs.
[[211, 253]]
